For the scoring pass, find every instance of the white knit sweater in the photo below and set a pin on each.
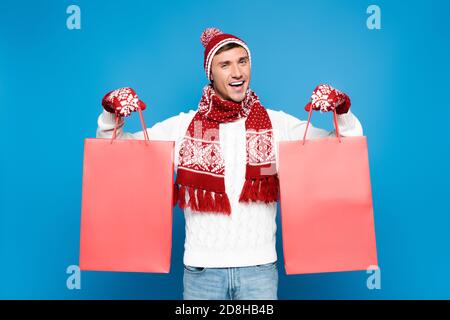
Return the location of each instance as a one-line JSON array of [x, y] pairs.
[[246, 237]]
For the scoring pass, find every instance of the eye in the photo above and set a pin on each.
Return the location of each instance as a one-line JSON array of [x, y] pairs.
[[244, 61]]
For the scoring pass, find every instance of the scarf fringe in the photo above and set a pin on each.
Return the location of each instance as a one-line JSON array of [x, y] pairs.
[[203, 200], [193, 200], [182, 197], [223, 203], [175, 195], [264, 189]]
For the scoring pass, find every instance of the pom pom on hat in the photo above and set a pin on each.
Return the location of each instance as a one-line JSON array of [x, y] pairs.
[[208, 34]]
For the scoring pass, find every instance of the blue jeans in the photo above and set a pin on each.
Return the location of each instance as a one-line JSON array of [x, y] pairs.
[[258, 282]]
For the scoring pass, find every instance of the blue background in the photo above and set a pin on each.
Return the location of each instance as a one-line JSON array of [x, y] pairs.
[[52, 80]]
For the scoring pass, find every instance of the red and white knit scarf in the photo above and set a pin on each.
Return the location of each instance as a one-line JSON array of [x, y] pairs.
[[201, 166]]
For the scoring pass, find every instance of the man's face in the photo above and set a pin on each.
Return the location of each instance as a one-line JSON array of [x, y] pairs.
[[230, 71]]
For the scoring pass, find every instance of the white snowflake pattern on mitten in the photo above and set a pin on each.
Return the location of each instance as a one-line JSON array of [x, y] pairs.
[[124, 101], [326, 98]]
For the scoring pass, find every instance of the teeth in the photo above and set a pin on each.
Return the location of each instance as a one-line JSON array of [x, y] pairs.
[[236, 83]]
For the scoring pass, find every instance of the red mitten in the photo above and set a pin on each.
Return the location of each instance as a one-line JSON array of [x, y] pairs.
[[326, 98], [122, 102]]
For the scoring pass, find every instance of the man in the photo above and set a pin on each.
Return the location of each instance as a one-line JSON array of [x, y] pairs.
[[226, 168]]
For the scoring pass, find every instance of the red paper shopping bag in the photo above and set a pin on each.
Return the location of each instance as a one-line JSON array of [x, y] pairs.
[[126, 220], [326, 204]]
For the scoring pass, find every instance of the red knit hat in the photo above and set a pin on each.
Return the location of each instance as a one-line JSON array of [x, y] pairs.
[[213, 39]]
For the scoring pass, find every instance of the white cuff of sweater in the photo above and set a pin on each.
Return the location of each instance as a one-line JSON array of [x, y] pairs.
[[346, 120], [110, 118]]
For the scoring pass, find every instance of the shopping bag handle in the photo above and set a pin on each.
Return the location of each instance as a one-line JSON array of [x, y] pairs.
[[334, 122], [144, 127]]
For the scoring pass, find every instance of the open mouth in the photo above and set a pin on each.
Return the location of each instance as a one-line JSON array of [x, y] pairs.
[[237, 85]]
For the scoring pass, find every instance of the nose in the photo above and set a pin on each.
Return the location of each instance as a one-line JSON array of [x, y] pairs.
[[236, 71]]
